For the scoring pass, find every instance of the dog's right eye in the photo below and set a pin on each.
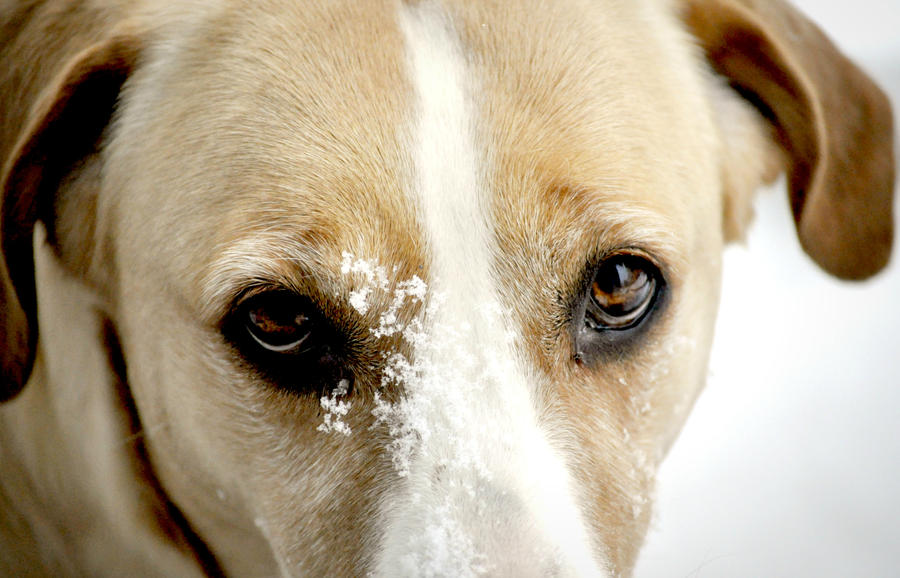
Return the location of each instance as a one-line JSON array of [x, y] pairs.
[[287, 339], [279, 323]]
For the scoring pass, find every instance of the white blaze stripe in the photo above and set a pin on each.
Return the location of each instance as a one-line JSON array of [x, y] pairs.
[[485, 493]]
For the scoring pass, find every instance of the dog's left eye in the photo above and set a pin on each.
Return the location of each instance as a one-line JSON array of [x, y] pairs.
[[622, 292]]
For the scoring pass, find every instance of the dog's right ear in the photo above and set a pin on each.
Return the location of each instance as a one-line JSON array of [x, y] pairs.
[[62, 124]]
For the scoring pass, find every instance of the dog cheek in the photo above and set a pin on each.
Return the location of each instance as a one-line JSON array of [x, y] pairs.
[[308, 496], [297, 493], [622, 419]]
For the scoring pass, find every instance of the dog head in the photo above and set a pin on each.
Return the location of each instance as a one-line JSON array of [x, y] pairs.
[[422, 288]]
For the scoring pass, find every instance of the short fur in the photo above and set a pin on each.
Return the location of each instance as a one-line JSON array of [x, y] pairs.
[[161, 158]]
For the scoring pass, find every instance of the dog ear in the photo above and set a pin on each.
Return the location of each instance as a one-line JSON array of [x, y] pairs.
[[833, 124], [62, 126]]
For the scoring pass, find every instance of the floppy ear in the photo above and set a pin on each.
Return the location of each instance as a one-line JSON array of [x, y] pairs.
[[832, 122], [63, 126]]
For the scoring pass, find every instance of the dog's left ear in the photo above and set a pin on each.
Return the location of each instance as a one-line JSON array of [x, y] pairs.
[[63, 124], [832, 123]]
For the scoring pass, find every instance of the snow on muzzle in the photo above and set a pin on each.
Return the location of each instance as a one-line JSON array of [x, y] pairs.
[[481, 491]]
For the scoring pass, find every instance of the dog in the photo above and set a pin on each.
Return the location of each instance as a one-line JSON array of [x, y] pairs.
[[388, 288]]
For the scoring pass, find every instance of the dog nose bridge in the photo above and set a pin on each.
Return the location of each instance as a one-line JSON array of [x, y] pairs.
[[482, 492], [500, 513], [485, 492]]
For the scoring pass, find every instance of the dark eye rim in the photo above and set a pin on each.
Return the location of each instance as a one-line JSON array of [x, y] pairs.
[[594, 344]]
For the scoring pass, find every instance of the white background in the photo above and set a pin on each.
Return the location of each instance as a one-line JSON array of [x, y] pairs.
[[790, 463]]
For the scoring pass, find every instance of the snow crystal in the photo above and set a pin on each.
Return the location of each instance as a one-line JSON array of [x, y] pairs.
[[359, 300], [638, 503], [413, 289], [444, 548], [335, 409], [375, 278], [436, 387]]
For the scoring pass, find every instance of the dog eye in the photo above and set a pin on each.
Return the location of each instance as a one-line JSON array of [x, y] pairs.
[[278, 322], [286, 339], [623, 291]]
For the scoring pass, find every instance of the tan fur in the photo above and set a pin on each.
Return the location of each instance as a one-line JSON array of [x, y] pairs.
[[260, 141]]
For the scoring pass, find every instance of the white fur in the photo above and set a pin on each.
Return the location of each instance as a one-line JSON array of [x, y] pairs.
[[484, 491]]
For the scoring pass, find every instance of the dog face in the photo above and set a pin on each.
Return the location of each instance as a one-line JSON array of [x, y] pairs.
[[423, 288]]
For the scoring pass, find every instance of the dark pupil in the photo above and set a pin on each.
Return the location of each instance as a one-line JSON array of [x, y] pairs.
[[619, 290], [277, 325]]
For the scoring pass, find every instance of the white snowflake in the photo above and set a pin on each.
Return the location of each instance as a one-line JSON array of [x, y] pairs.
[[335, 410]]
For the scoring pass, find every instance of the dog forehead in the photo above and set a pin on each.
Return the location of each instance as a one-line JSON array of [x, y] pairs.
[[304, 119], [276, 117]]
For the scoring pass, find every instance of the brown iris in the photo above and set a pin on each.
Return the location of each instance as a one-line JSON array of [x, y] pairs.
[[623, 291]]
